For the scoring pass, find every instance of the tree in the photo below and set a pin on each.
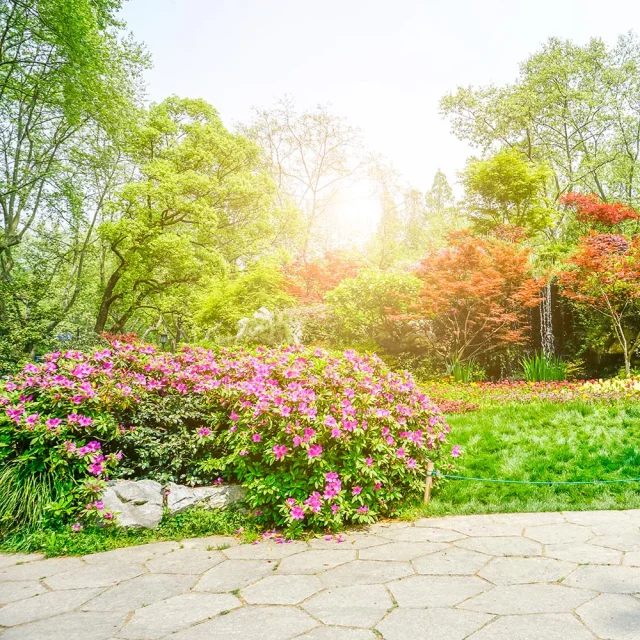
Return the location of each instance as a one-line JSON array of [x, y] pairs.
[[573, 108], [198, 202], [472, 296], [309, 281], [311, 155], [592, 210], [603, 275], [63, 68], [228, 300], [506, 189], [371, 307]]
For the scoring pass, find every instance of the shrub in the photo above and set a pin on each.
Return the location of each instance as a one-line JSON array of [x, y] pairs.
[[318, 439]]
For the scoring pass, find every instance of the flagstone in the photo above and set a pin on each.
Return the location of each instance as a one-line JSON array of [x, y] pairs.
[[365, 572], [551, 626], [436, 591], [525, 570], [452, 561], [174, 614], [282, 589], [615, 617], [529, 598], [431, 624], [356, 606]]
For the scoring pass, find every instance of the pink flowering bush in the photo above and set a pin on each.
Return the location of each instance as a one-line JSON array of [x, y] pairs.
[[318, 439], [322, 440]]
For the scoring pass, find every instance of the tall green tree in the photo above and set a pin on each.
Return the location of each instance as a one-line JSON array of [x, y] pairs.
[[573, 108], [64, 66], [198, 203], [506, 189]]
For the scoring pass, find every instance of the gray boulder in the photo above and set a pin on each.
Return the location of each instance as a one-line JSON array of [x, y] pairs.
[[137, 504], [180, 498]]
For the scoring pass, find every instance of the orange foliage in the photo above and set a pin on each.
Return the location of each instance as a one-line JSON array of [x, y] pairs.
[[474, 292], [592, 209], [309, 281]]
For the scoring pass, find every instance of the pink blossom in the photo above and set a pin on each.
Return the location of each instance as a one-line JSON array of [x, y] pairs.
[[280, 450], [335, 508], [297, 513], [369, 462], [456, 451], [203, 432], [377, 486], [356, 491], [256, 437], [411, 463], [234, 416], [363, 509], [315, 451]]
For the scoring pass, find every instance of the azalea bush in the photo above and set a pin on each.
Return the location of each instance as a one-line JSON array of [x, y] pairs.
[[318, 439]]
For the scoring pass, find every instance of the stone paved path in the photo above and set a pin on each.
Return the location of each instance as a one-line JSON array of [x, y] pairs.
[[551, 576]]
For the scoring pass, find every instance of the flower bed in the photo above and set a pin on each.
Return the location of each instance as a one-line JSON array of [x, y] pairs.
[[461, 398], [318, 439]]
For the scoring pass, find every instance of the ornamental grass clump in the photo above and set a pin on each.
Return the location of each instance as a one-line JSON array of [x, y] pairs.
[[318, 439]]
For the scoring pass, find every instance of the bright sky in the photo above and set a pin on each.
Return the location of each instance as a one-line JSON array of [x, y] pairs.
[[382, 64]]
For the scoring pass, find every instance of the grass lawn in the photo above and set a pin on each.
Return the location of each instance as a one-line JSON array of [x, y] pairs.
[[542, 441]]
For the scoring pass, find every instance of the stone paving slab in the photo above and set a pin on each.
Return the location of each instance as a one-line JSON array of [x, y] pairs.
[[516, 576]]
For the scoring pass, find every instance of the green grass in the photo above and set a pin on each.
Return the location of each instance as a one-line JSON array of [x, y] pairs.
[[542, 441], [191, 524]]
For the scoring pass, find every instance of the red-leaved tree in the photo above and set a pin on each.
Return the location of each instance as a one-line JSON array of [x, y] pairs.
[[473, 297], [604, 275], [310, 280], [591, 209]]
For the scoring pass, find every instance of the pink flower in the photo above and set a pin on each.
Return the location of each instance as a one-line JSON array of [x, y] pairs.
[[204, 432], [411, 463], [297, 441], [369, 462], [377, 486], [400, 453], [280, 450], [234, 416], [335, 432], [297, 513], [85, 421], [331, 476], [363, 509], [76, 527], [335, 508], [356, 491], [256, 437], [315, 451], [330, 421], [456, 452]]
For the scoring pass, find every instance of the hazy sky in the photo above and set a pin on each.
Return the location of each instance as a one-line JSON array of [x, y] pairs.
[[383, 64]]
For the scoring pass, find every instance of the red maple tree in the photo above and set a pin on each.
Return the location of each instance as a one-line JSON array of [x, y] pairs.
[[310, 280], [604, 275], [473, 296], [591, 209]]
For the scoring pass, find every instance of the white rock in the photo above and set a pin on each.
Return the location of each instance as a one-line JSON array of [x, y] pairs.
[[181, 498], [137, 504]]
